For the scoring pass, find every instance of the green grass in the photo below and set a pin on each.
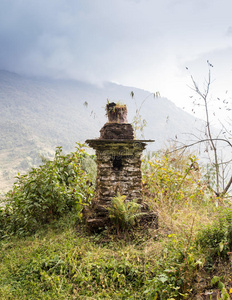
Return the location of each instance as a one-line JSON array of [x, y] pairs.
[[186, 257], [68, 264], [63, 261]]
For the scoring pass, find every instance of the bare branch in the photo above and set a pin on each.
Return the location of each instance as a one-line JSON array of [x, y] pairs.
[[201, 141], [226, 188]]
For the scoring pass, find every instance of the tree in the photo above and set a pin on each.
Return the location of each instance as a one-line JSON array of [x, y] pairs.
[[223, 179]]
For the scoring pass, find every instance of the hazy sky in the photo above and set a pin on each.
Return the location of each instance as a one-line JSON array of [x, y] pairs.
[[141, 43]]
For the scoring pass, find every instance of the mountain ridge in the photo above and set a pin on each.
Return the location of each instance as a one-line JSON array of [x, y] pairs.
[[37, 115]]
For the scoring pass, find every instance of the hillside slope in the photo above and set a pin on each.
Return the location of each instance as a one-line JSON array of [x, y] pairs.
[[36, 115]]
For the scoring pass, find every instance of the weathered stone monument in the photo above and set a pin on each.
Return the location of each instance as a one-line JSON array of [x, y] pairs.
[[118, 157]]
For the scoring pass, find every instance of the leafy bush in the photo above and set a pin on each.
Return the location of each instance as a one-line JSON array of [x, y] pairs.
[[173, 179], [48, 192], [217, 237]]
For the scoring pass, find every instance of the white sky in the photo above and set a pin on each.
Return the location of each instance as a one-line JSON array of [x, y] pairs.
[[140, 43]]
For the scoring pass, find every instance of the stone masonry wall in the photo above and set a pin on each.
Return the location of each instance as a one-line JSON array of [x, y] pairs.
[[118, 173]]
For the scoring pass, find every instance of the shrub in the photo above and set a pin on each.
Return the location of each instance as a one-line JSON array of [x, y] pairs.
[[173, 179], [48, 192], [217, 237]]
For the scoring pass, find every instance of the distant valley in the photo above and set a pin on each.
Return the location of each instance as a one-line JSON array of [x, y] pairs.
[[37, 115]]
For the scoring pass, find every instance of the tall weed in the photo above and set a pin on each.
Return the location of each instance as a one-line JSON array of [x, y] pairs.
[[173, 179]]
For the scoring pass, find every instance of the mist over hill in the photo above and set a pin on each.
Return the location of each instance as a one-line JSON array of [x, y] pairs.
[[39, 114]]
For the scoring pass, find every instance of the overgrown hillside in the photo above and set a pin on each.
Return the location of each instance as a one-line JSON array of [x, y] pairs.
[[48, 253], [36, 115]]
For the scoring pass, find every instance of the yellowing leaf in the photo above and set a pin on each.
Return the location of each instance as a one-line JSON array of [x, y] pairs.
[[221, 246]]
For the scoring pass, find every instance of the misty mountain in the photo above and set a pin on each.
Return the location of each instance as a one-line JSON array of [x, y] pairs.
[[39, 114]]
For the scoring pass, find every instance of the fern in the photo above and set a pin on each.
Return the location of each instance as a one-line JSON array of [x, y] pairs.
[[123, 213]]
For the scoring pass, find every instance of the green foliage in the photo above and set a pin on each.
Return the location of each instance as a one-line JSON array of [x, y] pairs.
[[221, 286], [123, 213], [65, 265], [89, 166], [216, 238], [163, 285], [61, 262], [173, 178], [174, 272], [47, 193]]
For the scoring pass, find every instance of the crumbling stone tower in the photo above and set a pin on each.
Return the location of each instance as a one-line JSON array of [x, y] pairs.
[[118, 157]]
